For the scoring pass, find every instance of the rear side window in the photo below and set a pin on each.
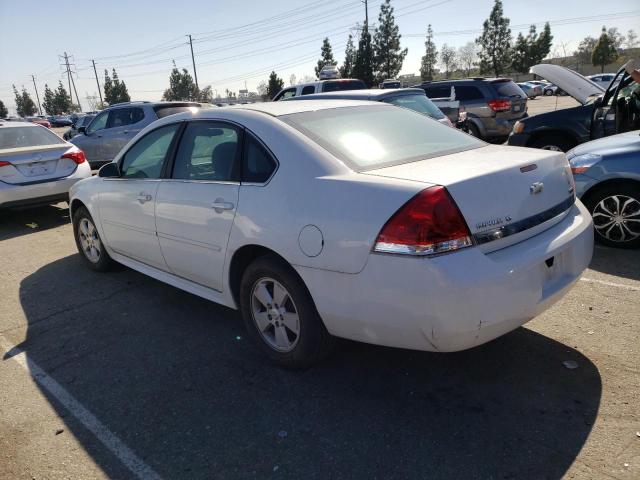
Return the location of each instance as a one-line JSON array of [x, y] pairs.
[[309, 89], [438, 91], [468, 92], [124, 116], [507, 89], [258, 165], [146, 158], [18, 137], [338, 85], [208, 151]]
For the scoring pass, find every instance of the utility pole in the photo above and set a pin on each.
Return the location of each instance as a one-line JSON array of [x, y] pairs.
[[366, 14], [37, 96], [97, 82], [195, 74], [66, 62]]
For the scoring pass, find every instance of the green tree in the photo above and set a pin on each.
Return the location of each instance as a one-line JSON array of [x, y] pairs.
[[62, 100], [542, 46], [4, 113], [363, 66], [388, 56], [520, 57], [48, 101], [24, 104], [206, 95], [181, 86], [584, 51], [115, 90], [275, 85], [604, 52], [326, 56], [346, 70], [495, 42], [430, 58]]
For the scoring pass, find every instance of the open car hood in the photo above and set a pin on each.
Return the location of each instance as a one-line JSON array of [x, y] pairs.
[[576, 85]]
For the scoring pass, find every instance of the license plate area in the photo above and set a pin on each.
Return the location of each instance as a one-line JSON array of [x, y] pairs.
[[554, 273], [36, 169]]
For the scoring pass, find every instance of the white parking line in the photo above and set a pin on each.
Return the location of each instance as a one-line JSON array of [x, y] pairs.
[[611, 284], [95, 426]]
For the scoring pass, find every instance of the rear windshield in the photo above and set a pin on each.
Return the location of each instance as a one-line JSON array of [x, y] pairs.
[[162, 112], [18, 137], [417, 103], [507, 89], [337, 85], [370, 137]]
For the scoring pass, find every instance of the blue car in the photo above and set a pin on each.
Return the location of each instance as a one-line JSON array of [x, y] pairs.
[[607, 176]]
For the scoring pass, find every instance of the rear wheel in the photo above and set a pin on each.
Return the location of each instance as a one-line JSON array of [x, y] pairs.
[[473, 130], [616, 215], [88, 241], [554, 142], [280, 315], [548, 93]]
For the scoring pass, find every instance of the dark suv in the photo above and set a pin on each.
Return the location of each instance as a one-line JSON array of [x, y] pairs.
[[493, 105]]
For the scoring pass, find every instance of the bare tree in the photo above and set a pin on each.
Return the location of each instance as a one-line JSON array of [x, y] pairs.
[[561, 53], [292, 79], [448, 59], [632, 39], [262, 90], [307, 79], [468, 57]]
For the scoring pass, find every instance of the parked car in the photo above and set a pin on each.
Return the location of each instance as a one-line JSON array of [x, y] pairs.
[[492, 105], [411, 98], [391, 84], [602, 79], [81, 121], [113, 127], [607, 176], [340, 218], [37, 167], [550, 90], [60, 121], [332, 85], [39, 121], [531, 90], [600, 113]]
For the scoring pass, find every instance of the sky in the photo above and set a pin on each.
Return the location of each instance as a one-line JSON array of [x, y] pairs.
[[238, 42]]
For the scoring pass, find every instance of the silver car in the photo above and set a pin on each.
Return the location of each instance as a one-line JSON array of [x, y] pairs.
[[113, 127], [37, 167]]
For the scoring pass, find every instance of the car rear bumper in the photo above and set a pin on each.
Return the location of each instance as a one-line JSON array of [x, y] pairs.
[[455, 301], [14, 196]]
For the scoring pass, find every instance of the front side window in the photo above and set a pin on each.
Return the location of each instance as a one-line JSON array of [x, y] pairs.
[[146, 158], [99, 123], [125, 116], [369, 137], [208, 151], [291, 92], [257, 165]]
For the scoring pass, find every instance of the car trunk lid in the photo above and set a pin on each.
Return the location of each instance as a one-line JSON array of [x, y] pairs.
[[505, 194], [576, 85], [26, 165]]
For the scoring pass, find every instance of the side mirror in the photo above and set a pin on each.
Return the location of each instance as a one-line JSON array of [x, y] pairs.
[[110, 170], [82, 130]]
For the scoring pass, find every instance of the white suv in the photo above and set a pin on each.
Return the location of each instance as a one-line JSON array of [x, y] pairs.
[[320, 86]]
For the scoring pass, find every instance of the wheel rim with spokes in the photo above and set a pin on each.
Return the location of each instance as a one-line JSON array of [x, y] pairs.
[[275, 314], [617, 218], [89, 240], [553, 148]]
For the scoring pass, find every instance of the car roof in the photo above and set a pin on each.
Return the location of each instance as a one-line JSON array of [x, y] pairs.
[[9, 124], [363, 94], [276, 109]]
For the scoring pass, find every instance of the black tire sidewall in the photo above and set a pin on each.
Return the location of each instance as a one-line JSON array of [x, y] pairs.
[[556, 140], [105, 263], [313, 336], [607, 191]]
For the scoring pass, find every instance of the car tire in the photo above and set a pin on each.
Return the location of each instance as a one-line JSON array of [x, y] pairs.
[[553, 142], [548, 93], [602, 207], [291, 333], [473, 130], [90, 246]]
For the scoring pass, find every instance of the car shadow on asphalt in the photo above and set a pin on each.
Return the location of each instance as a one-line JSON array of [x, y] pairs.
[[617, 262], [174, 377], [15, 223]]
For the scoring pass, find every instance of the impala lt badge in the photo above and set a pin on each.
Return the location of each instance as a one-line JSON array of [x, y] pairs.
[[494, 222], [536, 188]]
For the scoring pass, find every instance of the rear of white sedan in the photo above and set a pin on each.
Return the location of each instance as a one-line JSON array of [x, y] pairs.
[[36, 166]]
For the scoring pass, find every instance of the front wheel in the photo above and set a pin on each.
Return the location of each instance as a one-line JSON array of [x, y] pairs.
[[280, 316], [616, 215], [554, 142]]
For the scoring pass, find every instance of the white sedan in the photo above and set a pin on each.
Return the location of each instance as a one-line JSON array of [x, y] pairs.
[[37, 167], [350, 219]]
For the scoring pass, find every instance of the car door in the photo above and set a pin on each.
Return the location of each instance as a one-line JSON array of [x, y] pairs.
[[91, 142], [195, 208], [123, 125], [127, 204]]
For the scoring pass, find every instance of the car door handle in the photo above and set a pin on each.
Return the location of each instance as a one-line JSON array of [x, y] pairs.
[[144, 197], [220, 205]]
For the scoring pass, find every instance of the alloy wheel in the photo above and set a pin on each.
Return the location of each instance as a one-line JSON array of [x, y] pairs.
[[617, 218], [89, 240], [275, 314]]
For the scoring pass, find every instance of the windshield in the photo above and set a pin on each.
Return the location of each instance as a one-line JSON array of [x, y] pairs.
[[371, 137], [417, 103], [18, 137]]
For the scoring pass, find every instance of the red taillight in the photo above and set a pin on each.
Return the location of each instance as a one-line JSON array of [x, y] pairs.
[[499, 105], [429, 223], [76, 155], [4, 164]]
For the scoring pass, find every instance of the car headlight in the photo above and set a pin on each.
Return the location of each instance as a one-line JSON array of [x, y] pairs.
[[582, 163], [518, 127]]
